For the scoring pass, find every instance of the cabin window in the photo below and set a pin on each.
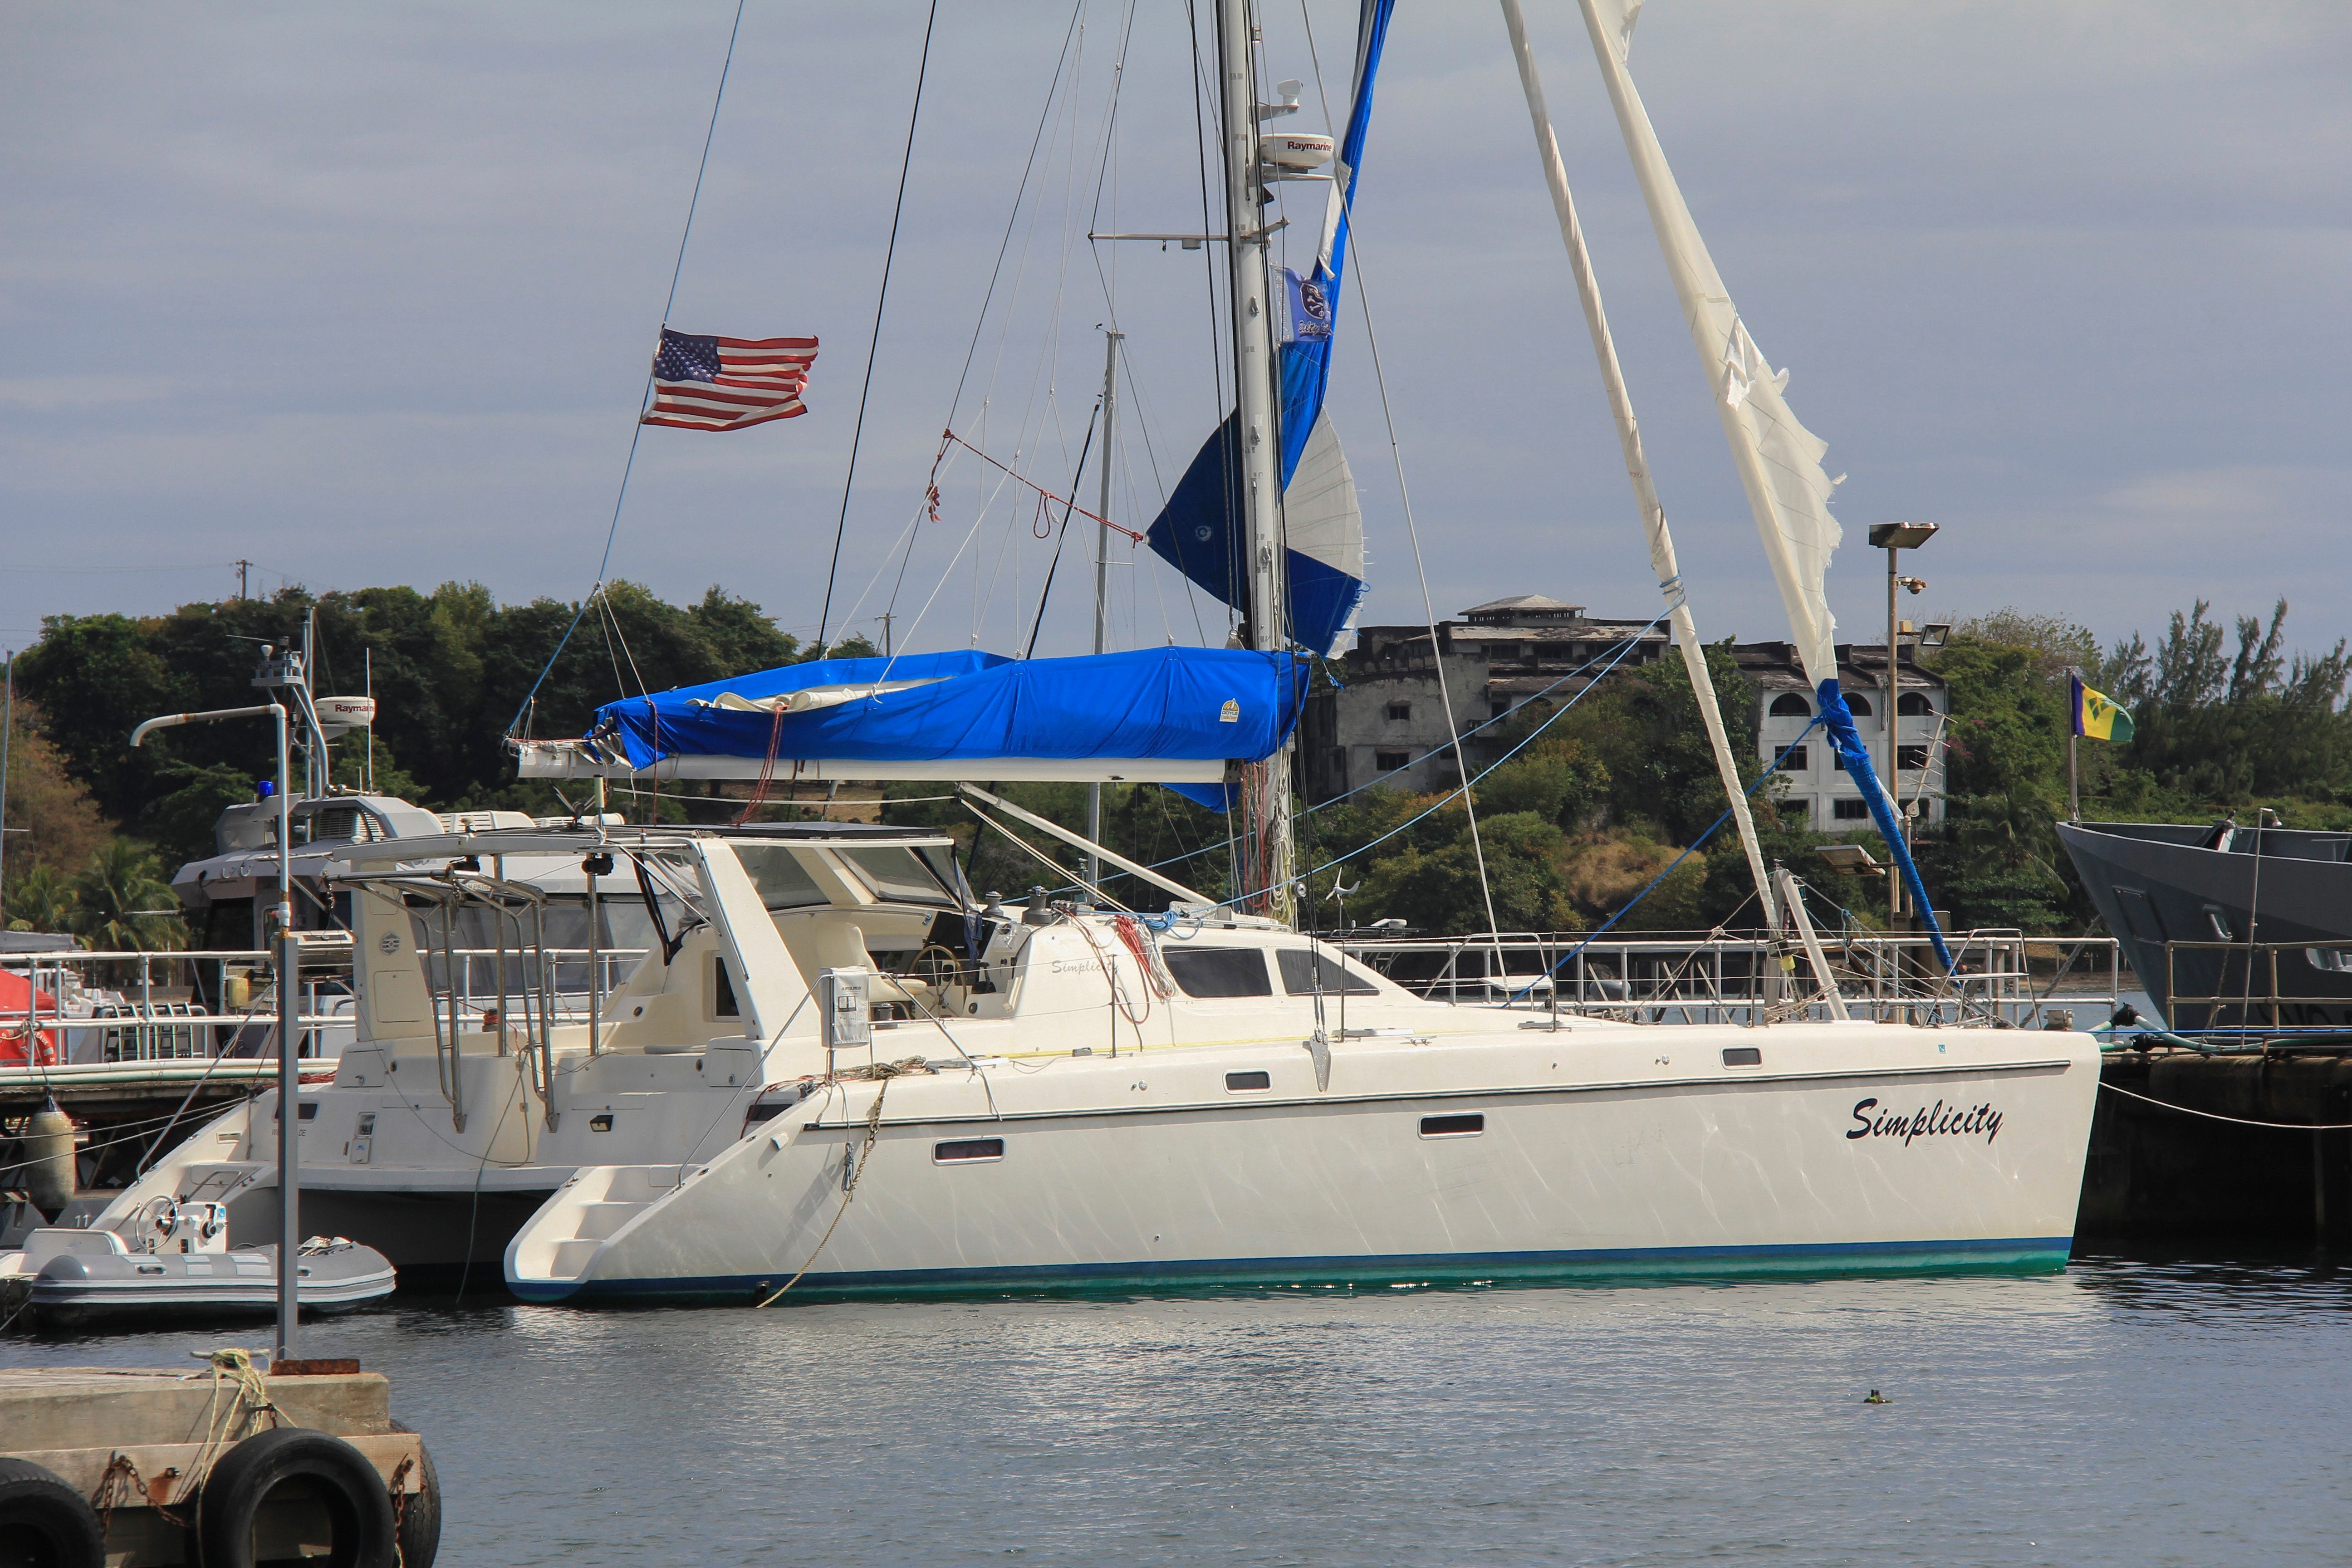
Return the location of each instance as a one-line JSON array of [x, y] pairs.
[[1305, 971], [781, 882], [1914, 705], [1850, 810], [1789, 705], [1241, 1082], [1911, 759], [1389, 762], [1794, 761], [1399, 712], [305, 1110], [601, 1122], [896, 873], [1468, 1125], [1742, 1057], [1858, 706], [1217, 971], [967, 1151], [723, 991]]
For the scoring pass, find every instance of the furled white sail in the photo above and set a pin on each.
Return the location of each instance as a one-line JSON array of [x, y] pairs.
[[1780, 460], [1324, 525]]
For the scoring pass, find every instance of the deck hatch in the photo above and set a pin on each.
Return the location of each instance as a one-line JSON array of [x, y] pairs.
[[968, 1151]]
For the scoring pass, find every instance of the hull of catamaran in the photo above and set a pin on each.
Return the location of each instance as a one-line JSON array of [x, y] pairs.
[[1597, 1151]]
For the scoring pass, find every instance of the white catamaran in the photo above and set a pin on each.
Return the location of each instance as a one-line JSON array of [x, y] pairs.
[[836, 1071]]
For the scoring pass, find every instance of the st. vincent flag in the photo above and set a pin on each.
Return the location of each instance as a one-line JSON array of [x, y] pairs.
[[2096, 714]]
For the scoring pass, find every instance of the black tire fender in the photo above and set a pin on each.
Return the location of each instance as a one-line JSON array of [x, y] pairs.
[[44, 1520], [343, 1479], [420, 1517]]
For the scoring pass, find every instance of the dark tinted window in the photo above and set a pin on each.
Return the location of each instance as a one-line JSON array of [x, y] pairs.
[[1789, 705], [1240, 1080], [1452, 1126], [1793, 760], [1742, 1057], [968, 1151], [1301, 967], [1858, 706], [1217, 971]]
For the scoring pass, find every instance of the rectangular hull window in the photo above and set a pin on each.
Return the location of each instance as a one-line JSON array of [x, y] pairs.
[[1218, 970], [1239, 1082], [967, 1151], [1742, 1057], [1465, 1126]]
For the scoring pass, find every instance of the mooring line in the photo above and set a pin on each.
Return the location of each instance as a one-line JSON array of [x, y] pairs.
[[2239, 1120]]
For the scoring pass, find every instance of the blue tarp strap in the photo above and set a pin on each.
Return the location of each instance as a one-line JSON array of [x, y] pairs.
[[1839, 720]]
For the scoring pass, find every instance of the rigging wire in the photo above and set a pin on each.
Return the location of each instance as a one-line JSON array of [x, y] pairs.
[[890, 254], [1413, 532], [637, 429], [1061, 536]]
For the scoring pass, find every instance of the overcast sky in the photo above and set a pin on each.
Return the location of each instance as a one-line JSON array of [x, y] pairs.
[[365, 295]]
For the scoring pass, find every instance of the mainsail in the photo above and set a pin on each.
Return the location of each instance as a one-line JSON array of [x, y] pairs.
[[1197, 530], [1780, 460], [1171, 715]]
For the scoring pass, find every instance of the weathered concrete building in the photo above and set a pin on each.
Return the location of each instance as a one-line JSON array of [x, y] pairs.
[[1388, 720]]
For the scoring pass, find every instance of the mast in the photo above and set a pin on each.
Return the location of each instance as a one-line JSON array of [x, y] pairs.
[[1266, 859], [1637, 462], [1112, 337]]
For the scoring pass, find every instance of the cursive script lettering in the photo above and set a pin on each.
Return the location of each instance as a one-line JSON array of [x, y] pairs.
[[1928, 1121]]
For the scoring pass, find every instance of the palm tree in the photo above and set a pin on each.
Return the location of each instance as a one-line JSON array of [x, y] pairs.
[[40, 901], [124, 904]]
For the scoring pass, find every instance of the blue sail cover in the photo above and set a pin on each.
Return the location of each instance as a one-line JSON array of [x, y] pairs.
[[1179, 703], [1195, 531]]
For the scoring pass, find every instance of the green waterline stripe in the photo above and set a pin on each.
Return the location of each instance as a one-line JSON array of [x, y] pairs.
[[2013, 1256]]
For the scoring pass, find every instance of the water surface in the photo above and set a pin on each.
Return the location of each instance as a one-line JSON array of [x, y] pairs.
[[2128, 1411]]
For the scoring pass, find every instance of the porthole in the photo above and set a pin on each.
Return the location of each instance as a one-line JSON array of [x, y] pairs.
[[1468, 1125], [1240, 1082], [967, 1151]]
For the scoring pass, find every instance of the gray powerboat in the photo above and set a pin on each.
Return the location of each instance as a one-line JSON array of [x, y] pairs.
[[2227, 926]]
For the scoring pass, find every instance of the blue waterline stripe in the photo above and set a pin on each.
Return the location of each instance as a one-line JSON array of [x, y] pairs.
[[2046, 1254]]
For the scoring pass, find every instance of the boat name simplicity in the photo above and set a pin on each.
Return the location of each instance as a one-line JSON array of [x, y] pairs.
[[1971, 1119]]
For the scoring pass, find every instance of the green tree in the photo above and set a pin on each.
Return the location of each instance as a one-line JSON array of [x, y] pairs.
[[122, 903]]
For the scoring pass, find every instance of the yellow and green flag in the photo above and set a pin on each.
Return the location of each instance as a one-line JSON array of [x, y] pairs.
[[2097, 715]]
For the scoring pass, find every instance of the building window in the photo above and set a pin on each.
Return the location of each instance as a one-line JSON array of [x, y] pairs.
[[1789, 705], [1837, 759], [1389, 762], [1911, 759], [1498, 707], [1792, 761], [1857, 705], [1398, 710], [1850, 810], [1915, 705]]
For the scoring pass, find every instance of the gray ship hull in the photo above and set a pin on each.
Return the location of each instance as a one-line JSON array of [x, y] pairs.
[[2161, 886]]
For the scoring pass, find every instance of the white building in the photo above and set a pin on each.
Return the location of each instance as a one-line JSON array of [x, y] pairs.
[[1818, 783]]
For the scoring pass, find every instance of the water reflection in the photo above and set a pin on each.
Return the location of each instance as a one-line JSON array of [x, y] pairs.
[[2074, 1417]]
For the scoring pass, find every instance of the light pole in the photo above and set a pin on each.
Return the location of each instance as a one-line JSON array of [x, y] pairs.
[[290, 1070], [1894, 538]]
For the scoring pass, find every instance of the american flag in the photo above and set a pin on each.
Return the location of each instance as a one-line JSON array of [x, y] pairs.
[[728, 384]]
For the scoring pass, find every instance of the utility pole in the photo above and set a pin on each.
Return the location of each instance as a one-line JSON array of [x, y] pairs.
[[243, 566], [1266, 812], [1894, 538], [7, 731], [886, 617], [1102, 584]]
